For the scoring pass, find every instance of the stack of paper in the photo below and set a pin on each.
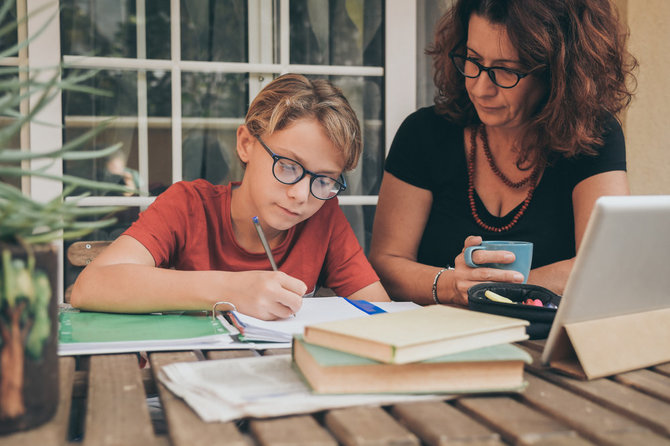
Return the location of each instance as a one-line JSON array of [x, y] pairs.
[[229, 389]]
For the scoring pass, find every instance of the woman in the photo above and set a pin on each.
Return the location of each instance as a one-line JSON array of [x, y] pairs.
[[521, 141]]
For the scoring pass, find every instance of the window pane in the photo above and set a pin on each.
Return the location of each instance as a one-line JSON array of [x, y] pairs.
[[214, 30], [98, 28], [84, 111], [213, 105], [361, 218], [160, 156], [10, 141], [158, 29], [159, 112], [120, 98], [9, 37], [159, 86], [214, 95], [428, 13], [337, 32]]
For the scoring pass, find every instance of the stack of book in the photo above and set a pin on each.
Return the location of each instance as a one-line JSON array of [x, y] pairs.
[[434, 349]]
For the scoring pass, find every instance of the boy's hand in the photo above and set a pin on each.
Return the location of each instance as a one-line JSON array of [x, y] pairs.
[[268, 295]]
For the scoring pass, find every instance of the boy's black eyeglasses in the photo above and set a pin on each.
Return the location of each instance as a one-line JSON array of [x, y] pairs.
[[288, 171], [501, 76]]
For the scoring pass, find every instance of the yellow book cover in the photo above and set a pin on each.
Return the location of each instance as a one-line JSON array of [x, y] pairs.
[[416, 335]]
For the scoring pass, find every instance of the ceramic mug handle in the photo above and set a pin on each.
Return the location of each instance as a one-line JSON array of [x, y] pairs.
[[468, 255]]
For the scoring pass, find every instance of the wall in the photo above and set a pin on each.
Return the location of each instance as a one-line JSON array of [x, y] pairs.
[[647, 121]]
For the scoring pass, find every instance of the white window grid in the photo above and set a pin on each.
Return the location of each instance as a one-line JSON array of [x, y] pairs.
[[260, 73]]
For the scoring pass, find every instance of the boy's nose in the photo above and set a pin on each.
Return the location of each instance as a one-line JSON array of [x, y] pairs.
[[300, 191]]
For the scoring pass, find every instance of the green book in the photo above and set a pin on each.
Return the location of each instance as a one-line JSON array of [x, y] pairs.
[[489, 369], [88, 332]]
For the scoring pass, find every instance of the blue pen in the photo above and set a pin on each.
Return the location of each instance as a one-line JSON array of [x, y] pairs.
[[264, 241]]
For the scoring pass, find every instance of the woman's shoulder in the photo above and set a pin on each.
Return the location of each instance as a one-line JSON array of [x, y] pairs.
[[429, 115]]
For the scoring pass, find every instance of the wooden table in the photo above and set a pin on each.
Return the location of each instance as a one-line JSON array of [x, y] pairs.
[[103, 402]]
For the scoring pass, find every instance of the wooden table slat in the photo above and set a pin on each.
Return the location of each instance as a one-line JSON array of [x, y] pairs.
[[228, 354], [80, 385], [276, 351], [290, 431], [185, 427], [117, 412], [625, 400], [360, 426], [437, 423], [663, 368], [647, 381], [54, 431], [518, 423], [589, 419]]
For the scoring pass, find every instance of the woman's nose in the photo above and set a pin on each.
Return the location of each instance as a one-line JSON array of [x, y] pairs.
[[482, 85]]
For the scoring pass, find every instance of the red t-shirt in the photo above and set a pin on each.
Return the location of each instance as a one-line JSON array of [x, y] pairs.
[[188, 227]]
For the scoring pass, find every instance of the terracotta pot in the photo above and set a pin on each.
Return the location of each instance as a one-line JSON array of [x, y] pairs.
[[29, 342]]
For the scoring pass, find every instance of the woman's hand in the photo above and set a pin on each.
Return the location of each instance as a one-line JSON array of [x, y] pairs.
[[265, 295], [465, 277]]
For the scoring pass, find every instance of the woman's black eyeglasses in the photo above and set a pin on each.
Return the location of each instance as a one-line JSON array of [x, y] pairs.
[[288, 171], [501, 76]]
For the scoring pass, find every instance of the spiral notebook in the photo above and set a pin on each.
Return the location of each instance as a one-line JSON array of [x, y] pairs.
[[84, 332]]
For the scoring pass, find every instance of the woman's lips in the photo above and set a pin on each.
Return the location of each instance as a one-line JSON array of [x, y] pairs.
[[488, 109]]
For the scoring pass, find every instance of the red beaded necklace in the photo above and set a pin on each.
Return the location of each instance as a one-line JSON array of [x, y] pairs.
[[532, 179], [494, 167]]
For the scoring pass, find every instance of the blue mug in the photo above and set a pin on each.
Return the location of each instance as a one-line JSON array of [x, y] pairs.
[[523, 251]]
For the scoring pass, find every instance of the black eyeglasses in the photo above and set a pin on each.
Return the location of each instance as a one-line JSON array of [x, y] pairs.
[[288, 171], [501, 76]]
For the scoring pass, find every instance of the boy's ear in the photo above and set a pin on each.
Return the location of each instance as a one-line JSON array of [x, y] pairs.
[[245, 140]]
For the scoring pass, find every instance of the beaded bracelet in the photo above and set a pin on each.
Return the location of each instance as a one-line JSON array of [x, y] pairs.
[[437, 276]]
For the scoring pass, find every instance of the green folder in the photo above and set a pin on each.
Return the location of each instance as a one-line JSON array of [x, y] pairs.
[[92, 332]]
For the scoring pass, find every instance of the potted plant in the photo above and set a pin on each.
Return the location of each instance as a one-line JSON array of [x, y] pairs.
[[28, 230]]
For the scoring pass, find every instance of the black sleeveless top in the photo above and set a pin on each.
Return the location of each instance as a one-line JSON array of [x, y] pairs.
[[428, 152]]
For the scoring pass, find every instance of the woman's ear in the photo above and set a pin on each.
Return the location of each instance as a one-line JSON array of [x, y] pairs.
[[245, 140]]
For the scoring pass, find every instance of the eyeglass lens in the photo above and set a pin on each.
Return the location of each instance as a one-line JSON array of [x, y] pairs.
[[500, 76], [288, 171]]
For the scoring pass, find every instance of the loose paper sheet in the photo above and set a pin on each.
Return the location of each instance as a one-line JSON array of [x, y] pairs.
[[229, 389]]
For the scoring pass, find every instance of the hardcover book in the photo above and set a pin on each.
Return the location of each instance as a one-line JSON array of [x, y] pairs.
[[488, 369], [416, 335]]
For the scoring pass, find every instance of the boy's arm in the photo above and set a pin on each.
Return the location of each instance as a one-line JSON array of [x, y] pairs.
[[124, 278], [374, 292]]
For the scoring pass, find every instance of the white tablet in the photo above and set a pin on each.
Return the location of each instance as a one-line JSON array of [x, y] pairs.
[[622, 266]]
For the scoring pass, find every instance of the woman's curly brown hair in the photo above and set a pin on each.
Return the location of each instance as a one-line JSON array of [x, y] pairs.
[[588, 71]]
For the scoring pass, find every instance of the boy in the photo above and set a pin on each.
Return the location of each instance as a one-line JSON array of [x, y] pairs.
[[298, 137]]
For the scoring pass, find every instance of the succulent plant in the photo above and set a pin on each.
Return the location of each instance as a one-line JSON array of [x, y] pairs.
[[25, 292]]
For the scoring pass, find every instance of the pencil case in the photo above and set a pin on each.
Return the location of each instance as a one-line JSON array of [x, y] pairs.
[[540, 318]]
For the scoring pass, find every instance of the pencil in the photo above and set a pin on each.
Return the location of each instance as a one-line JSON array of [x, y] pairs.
[[264, 241]]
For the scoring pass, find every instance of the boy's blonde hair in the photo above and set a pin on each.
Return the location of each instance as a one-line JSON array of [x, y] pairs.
[[292, 97]]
